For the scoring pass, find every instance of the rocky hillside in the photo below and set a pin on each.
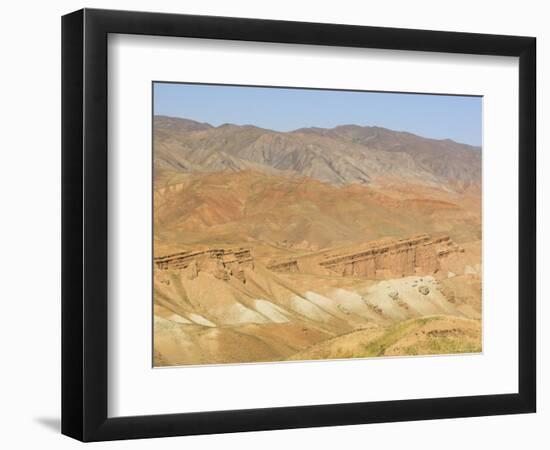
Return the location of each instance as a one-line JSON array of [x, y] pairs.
[[225, 306], [339, 156], [302, 214]]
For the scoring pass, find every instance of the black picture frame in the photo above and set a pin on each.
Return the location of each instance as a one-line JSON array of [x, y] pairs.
[[84, 224]]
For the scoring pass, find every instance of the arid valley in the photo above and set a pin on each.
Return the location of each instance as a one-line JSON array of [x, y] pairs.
[[318, 243]]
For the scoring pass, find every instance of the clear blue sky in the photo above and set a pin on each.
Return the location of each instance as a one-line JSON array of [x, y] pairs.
[[434, 116]]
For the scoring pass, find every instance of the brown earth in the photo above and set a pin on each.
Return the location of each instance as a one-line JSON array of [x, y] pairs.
[[252, 313], [340, 156], [301, 214], [350, 242]]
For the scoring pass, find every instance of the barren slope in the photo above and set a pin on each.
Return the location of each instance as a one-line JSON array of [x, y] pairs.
[[250, 206], [340, 156]]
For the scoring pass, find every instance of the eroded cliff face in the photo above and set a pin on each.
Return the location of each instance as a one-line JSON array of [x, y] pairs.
[[284, 266], [394, 258], [380, 259], [222, 263]]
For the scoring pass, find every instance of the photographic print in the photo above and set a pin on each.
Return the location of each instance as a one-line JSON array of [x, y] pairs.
[[296, 224]]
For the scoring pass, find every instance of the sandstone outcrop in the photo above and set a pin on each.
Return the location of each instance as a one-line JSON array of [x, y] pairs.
[[222, 263], [393, 257]]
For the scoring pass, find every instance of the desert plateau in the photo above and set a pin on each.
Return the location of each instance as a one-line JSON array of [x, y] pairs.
[[318, 243]]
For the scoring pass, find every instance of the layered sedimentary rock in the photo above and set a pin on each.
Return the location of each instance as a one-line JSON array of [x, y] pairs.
[[381, 259], [285, 266], [223, 263], [393, 257]]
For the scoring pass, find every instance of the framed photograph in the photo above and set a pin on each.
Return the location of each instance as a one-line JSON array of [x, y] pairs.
[[273, 224]]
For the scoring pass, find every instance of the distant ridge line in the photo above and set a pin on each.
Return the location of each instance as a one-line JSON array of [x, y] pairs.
[[313, 128]]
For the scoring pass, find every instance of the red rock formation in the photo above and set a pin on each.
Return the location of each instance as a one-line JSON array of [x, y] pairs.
[[223, 263], [393, 257]]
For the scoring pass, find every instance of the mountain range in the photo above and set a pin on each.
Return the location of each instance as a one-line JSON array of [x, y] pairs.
[[339, 156]]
